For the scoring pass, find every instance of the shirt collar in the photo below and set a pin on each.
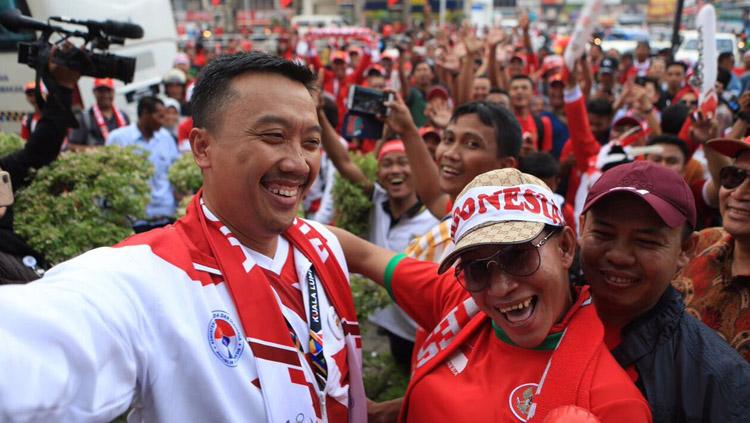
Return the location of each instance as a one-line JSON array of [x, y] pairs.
[[411, 212]]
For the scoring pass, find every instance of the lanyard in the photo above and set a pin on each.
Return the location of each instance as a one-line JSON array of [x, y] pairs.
[[317, 358]]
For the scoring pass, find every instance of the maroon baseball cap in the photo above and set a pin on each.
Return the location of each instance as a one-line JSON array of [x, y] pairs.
[[663, 189], [728, 146]]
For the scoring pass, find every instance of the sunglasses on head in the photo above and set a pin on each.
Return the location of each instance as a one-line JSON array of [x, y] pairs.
[[731, 177]]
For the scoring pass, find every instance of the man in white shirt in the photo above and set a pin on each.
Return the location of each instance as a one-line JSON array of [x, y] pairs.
[[238, 312]]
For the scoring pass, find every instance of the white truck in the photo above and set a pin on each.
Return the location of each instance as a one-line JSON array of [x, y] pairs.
[[154, 52]]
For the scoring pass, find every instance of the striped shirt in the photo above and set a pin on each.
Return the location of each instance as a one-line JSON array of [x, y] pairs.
[[432, 245]]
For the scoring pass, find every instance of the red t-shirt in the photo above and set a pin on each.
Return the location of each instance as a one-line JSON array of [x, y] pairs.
[[528, 127], [488, 379]]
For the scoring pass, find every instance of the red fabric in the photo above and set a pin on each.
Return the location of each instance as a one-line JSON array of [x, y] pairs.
[[684, 135], [532, 63], [582, 144], [477, 365], [183, 131], [528, 127], [613, 339], [629, 74], [706, 214], [183, 134], [25, 129]]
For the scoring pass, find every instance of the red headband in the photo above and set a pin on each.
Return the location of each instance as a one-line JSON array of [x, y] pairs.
[[394, 146]]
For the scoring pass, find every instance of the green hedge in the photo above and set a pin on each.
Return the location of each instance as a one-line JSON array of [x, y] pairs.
[[82, 201], [9, 143], [352, 204]]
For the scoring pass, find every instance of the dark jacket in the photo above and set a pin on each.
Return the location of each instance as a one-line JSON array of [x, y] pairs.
[[40, 150], [686, 372]]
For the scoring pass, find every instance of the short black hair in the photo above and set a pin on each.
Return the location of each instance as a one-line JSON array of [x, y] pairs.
[[671, 139], [212, 90], [678, 63], [148, 104], [600, 107], [540, 164], [498, 90], [725, 55], [645, 80], [723, 77], [673, 117], [419, 62], [507, 128], [524, 77], [643, 43]]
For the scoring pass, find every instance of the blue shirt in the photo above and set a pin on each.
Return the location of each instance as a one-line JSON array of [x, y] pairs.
[[162, 152]]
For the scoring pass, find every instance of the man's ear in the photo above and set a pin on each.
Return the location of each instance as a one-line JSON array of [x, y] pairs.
[[507, 162], [200, 144], [687, 250], [568, 246]]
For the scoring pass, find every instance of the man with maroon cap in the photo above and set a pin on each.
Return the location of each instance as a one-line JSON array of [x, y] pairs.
[[99, 120], [637, 232], [716, 281]]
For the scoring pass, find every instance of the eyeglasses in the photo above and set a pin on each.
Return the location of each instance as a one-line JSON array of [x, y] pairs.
[[518, 260], [730, 177]]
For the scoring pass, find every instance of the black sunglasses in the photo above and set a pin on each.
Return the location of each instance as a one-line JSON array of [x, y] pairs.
[[731, 177], [518, 260]]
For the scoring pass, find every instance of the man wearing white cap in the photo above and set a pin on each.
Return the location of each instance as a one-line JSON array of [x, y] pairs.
[[507, 328]]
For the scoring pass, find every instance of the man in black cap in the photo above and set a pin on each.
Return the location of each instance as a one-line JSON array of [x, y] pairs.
[[606, 87]]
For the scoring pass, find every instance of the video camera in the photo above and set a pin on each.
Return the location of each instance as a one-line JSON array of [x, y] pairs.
[[100, 36]]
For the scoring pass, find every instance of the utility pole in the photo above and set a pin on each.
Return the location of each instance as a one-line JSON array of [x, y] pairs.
[[676, 27]]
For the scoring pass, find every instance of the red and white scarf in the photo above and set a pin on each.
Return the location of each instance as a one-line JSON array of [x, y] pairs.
[[287, 390], [102, 124]]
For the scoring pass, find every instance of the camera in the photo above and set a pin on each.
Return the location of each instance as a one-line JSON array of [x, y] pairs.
[[99, 36], [368, 101]]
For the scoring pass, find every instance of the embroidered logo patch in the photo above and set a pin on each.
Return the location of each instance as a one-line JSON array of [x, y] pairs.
[[520, 400], [224, 338]]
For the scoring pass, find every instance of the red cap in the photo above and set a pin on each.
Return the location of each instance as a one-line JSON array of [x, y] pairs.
[[663, 189], [518, 57], [428, 130], [104, 83], [375, 69], [626, 120], [728, 146], [556, 78], [552, 63], [437, 91], [339, 55], [29, 86], [685, 91]]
